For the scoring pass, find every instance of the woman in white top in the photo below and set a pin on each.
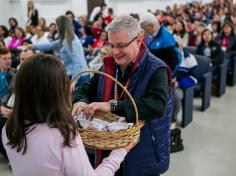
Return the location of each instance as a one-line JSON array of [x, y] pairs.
[[40, 37]]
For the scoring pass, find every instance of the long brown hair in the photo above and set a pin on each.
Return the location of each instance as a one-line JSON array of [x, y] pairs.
[[42, 95], [65, 30]]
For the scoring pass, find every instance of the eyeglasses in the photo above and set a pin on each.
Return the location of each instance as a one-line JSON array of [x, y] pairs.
[[121, 45]]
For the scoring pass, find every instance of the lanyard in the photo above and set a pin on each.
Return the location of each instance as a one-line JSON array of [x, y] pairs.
[[116, 97]]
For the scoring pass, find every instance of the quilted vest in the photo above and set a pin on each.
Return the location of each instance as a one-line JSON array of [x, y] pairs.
[[151, 155]]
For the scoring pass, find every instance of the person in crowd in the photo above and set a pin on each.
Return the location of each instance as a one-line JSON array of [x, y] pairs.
[[186, 77], [32, 14], [227, 40], [97, 62], [87, 38], [83, 20], [30, 32], [210, 48], [41, 128], [77, 27], [109, 17], [13, 23], [97, 28], [18, 39], [195, 36], [40, 37], [135, 15], [7, 75], [4, 35], [71, 49], [52, 32], [216, 28], [148, 79], [160, 41], [42, 23], [97, 12], [24, 55], [99, 43], [179, 30]]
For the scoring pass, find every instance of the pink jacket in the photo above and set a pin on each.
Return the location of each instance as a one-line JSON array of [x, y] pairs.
[[14, 43]]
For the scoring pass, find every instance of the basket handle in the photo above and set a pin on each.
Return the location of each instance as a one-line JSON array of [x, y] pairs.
[[112, 78]]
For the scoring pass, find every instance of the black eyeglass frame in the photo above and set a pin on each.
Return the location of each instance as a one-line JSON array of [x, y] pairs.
[[121, 46]]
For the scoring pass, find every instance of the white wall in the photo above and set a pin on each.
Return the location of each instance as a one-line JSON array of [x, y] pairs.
[[140, 6], [52, 8], [47, 9]]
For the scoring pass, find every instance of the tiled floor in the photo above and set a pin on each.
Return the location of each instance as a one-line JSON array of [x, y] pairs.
[[210, 142]]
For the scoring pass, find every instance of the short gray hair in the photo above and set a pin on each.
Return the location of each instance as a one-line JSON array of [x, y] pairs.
[[125, 22], [148, 18]]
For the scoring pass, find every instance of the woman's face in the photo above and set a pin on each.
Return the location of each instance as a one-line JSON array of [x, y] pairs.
[[227, 30], [178, 27], [30, 5], [81, 21], [18, 33], [39, 31], [52, 29], [12, 23], [200, 29], [41, 22], [207, 37], [103, 36], [214, 27]]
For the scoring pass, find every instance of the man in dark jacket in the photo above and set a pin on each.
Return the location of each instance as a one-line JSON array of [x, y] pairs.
[[160, 41], [148, 80]]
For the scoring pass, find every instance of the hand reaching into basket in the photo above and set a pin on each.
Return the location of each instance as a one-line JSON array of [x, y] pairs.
[[91, 109], [95, 108], [78, 107]]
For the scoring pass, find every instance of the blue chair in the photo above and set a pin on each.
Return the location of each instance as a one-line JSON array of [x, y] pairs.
[[190, 49], [221, 78], [231, 74], [204, 77], [187, 106], [221, 75]]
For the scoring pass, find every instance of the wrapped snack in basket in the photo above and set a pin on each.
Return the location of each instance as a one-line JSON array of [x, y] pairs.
[[115, 137]]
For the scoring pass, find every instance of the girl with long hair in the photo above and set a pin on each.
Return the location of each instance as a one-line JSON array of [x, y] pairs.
[[41, 136]]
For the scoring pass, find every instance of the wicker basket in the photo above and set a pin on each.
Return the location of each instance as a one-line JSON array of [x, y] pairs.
[[105, 140]]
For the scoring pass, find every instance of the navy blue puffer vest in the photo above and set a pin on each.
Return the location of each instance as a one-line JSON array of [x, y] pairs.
[[151, 155]]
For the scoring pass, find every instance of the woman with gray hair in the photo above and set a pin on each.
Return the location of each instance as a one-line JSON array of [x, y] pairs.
[[71, 49]]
